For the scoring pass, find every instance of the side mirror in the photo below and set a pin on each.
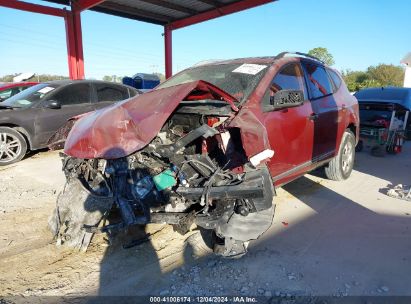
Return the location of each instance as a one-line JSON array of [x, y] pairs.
[[52, 104], [287, 99]]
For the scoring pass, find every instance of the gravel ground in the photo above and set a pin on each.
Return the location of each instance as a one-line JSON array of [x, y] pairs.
[[327, 239]]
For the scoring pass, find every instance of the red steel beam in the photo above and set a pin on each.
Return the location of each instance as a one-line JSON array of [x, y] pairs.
[[71, 46], [168, 50], [83, 5], [73, 28], [79, 44], [74, 44], [34, 8], [218, 12]]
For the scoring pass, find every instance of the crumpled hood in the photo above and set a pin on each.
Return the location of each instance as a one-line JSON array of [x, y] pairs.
[[128, 126]]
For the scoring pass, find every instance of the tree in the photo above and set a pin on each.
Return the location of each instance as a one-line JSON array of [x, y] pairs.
[[107, 78], [355, 80], [36, 77], [387, 74], [375, 76], [322, 54]]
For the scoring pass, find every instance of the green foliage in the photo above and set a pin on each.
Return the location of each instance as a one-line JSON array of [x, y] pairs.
[[375, 76], [8, 78], [387, 74], [322, 54]]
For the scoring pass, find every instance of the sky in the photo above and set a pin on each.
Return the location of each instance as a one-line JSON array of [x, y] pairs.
[[358, 33]]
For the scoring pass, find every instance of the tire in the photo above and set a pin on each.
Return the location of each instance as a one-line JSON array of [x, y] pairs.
[[13, 146], [206, 242], [340, 167], [202, 241]]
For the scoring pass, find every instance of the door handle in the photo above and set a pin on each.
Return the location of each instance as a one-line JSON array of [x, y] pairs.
[[313, 116]]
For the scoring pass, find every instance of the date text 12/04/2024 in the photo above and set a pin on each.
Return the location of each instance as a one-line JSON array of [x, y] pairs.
[[203, 299]]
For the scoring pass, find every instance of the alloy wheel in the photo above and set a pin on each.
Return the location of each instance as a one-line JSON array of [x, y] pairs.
[[347, 157], [10, 147]]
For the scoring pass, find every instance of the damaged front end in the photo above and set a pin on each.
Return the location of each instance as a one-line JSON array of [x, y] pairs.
[[194, 171]]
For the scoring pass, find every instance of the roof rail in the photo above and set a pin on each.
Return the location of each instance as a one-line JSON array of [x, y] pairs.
[[281, 55]]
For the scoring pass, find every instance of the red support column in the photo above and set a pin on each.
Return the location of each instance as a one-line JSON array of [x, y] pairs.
[[79, 44], [74, 44], [71, 46], [168, 49]]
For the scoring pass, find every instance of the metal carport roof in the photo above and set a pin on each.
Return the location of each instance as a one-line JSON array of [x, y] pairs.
[[172, 14]]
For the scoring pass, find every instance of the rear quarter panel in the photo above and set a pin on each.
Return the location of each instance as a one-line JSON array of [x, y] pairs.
[[348, 113]]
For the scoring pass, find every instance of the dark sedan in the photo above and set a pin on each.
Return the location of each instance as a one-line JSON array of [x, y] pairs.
[[30, 118]]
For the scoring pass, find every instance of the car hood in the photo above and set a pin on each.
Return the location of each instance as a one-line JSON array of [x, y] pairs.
[[128, 126]]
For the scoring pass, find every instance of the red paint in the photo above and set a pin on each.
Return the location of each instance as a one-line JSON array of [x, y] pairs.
[[128, 126], [9, 85], [33, 8], [82, 5], [218, 12], [168, 50], [74, 45], [300, 143]]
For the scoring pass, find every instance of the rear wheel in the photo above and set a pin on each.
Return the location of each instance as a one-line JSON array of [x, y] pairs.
[[13, 146], [340, 167]]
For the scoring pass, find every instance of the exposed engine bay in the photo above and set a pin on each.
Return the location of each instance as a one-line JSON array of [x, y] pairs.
[[194, 171]]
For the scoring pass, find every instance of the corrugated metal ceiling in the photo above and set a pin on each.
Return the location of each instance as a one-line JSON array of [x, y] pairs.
[[155, 11]]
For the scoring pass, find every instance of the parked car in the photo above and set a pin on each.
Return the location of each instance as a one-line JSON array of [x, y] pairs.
[[30, 118], [377, 104], [208, 146], [8, 89]]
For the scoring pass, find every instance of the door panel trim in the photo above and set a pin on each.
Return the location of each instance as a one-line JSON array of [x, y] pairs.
[[307, 164]]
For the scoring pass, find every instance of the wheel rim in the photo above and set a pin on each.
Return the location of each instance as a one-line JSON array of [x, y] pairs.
[[347, 157], [10, 147]]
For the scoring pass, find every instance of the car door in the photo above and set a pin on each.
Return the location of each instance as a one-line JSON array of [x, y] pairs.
[[107, 94], [290, 130], [325, 111], [74, 99]]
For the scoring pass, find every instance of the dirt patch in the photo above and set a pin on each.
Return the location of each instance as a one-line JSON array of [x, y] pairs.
[[327, 238]]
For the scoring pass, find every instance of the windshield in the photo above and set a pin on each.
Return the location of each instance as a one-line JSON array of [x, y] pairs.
[[29, 96], [239, 80]]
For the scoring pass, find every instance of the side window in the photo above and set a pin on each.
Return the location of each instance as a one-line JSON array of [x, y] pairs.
[[290, 77], [73, 94], [6, 94], [318, 80], [110, 92], [336, 80]]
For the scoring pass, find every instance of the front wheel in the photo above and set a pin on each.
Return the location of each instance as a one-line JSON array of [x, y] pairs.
[[340, 167], [13, 146]]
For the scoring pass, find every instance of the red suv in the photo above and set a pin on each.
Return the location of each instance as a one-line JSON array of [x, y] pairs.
[[208, 146]]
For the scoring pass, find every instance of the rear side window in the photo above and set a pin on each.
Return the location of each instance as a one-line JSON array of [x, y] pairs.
[[336, 80], [73, 94], [110, 93], [318, 80], [290, 77]]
